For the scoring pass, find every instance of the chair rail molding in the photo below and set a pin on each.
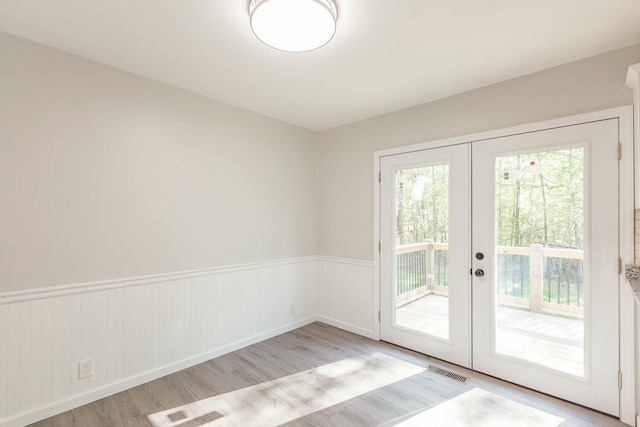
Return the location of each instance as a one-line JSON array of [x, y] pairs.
[[140, 328]]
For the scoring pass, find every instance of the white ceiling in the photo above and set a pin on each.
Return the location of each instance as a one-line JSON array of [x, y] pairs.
[[385, 56]]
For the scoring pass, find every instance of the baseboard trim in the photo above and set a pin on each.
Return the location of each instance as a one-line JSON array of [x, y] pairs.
[[78, 288], [347, 327], [49, 410], [66, 403]]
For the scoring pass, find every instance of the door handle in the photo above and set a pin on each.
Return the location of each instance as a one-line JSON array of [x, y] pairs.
[[479, 272]]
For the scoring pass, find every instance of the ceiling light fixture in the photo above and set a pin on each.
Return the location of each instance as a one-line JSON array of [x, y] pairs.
[[293, 25]]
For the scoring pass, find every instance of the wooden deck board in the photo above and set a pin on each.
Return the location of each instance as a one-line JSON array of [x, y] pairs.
[[552, 341]]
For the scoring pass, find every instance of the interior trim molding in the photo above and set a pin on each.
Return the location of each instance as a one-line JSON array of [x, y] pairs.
[[368, 333], [350, 261], [633, 77], [633, 83], [79, 288], [629, 307], [596, 116]]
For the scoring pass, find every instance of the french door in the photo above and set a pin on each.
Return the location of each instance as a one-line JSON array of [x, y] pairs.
[[425, 280], [501, 255]]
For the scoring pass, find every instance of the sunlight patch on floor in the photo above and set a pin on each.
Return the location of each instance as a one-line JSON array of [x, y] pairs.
[[480, 408], [288, 398]]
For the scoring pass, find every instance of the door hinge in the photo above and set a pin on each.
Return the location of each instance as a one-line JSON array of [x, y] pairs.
[[619, 151], [619, 265], [378, 316], [379, 176], [379, 246], [619, 380]]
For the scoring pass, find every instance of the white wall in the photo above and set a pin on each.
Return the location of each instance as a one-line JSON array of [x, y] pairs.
[[346, 153], [344, 297], [105, 175], [108, 176]]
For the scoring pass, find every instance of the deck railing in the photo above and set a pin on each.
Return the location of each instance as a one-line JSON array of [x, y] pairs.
[[536, 278]]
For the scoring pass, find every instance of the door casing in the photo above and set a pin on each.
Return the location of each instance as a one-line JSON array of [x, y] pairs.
[[624, 115]]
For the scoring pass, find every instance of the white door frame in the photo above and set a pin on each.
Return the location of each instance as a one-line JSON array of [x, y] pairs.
[[624, 115]]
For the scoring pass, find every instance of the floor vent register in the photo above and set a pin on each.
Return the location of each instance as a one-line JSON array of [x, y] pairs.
[[456, 377]]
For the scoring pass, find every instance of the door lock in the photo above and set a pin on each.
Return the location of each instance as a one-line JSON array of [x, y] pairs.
[[479, 272]]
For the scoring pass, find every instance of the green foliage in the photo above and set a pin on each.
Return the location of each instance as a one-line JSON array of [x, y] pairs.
[[426, 217], [535, 203], [513, 276], [541, 202], [563, 281]]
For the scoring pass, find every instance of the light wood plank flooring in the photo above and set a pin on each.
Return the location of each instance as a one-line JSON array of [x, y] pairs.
[[553, 341], [322, 376]]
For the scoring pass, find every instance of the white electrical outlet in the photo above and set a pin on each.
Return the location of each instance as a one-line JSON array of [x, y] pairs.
[[85, 368], [292, 309]]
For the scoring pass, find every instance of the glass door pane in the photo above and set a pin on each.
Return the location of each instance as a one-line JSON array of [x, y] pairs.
[[422, 249], [425, 226], [545, 293], [540, 287]]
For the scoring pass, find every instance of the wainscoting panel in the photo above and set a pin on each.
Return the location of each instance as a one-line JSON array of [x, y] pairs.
[[136, 330], [346, 295]]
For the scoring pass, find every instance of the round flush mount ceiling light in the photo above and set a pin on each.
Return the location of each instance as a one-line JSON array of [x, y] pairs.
[[293, 25]]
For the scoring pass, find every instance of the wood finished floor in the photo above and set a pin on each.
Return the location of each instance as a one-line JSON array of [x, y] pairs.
[[319, 375]]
